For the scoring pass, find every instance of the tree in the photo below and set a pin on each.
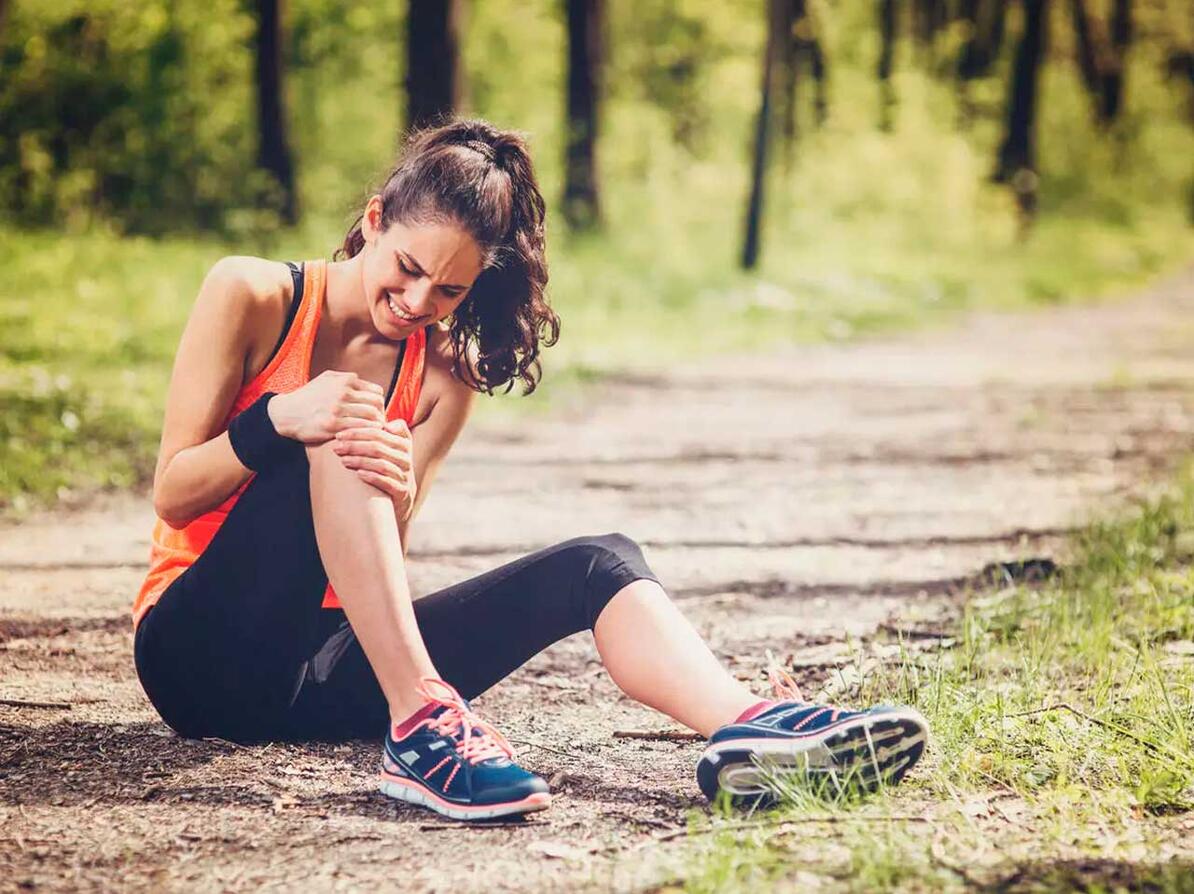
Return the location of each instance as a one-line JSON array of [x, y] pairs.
[[984, 22], [582, 205], [776, 21], [1102, 55], [273, 149], [798, 40], [888, 15], [984, 37], [1113, 73], [928, 18], [1017, 153], [434, 82]]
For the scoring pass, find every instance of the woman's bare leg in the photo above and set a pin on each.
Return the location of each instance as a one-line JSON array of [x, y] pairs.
[[656, 656], [359, 544]]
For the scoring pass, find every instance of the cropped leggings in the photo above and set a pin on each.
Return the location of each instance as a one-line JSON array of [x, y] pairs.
[[239, 646]]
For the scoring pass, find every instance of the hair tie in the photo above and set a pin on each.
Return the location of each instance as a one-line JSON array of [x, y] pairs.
[[482, 147]]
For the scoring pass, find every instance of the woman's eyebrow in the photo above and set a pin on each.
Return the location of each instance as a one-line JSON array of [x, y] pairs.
[[418, 268]]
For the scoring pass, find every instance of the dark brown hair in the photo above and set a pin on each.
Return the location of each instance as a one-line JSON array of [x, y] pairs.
[[479, 178]]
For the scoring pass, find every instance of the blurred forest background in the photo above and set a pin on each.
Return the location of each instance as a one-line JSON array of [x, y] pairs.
[[721, 175]]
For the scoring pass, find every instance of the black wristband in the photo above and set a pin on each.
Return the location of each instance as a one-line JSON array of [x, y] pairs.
[[254, 439]]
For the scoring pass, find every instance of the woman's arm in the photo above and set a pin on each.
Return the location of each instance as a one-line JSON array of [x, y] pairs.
[[432, 439], [401, 462], [197, 469]]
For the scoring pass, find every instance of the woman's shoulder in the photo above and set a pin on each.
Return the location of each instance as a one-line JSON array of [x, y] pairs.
[[258, 281], [441, 363]]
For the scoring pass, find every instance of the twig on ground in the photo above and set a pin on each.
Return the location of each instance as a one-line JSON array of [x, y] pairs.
[[641, 820], [479, 826], [1147, 743], [913, 632], [216, 740], [542, 747], [23, 703], [663, 735]]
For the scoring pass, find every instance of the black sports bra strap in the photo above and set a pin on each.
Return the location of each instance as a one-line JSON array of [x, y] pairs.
[[397, 369], [296, 273]]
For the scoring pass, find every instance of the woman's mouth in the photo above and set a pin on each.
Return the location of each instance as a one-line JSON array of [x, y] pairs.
[[399, 314]]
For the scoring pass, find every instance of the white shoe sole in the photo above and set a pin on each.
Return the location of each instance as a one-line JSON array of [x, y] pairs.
[[413, 793], [871, 750]]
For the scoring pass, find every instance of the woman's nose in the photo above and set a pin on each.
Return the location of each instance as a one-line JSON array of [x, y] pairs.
[[420, 297]]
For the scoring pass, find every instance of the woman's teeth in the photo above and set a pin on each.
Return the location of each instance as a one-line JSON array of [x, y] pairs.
[[398, 312]]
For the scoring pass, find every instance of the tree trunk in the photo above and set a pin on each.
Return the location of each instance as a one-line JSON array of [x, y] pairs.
[[1018, 150], [1102, 55], [928, 18], [582, 205], [788, 75], [986, 24], [433, 75], [1111, 96], [754, 212], [1088, 50], [1180, 64], [273, 149], [820, 75], [888, 14]]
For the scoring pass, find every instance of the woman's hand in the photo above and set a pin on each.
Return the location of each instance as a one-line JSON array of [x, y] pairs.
[[326, 405], [381, 456]]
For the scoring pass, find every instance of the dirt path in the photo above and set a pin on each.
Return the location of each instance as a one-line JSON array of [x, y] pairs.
[[788, 501]]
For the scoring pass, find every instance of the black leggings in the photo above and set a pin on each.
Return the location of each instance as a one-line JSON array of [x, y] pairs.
[[239, 647]]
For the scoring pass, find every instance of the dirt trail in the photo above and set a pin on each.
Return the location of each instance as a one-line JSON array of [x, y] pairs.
[[788, 500]]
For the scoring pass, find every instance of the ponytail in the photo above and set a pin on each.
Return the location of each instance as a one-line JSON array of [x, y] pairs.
[[481, 179]]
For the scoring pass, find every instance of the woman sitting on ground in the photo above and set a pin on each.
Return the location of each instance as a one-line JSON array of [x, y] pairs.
[[308, 412]]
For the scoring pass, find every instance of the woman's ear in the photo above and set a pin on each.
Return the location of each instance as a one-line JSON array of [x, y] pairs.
[[371, 220]]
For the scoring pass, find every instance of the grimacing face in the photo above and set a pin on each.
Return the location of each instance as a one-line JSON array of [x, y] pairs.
[[414, 274]]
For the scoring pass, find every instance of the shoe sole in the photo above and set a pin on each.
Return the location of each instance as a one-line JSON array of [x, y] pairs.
[[866, 752], [412, 793]]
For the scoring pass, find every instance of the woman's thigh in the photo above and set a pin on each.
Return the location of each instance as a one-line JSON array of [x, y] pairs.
[[222, 651], [477, 631]]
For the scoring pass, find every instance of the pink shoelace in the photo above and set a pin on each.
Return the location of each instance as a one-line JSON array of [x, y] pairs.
[[476, 739], [786, 689]]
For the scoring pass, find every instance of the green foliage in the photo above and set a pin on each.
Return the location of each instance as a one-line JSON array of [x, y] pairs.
[[138, 113]]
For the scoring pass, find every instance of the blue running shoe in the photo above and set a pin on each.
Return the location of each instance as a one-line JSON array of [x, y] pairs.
[[458, 765], [813, 744]]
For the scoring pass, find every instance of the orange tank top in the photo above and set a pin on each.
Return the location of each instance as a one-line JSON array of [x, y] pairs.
[[173, 550]]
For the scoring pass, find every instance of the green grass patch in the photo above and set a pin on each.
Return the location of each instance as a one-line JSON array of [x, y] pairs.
[[1062, 755]]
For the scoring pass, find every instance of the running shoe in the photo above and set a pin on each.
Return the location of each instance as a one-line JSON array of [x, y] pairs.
[[823, 747], [455, 763]]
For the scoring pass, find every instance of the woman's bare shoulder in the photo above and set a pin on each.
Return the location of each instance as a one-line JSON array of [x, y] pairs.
[[259, 282], [442, 363]]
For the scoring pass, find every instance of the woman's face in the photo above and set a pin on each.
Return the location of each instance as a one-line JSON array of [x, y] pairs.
[[416, 274]]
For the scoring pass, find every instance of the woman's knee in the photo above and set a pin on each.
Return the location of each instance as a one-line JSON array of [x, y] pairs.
[[607, 563]]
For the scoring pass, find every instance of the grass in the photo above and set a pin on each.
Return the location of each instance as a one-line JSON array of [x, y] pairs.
[[1063, 742]]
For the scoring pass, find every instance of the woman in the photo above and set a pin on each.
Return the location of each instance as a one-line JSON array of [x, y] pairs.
[[277, 603]]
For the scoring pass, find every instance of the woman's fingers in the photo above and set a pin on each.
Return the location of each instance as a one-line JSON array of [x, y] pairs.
[[373, 464], [374, 449], [381, 482], [347, 413], [369, 439]]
